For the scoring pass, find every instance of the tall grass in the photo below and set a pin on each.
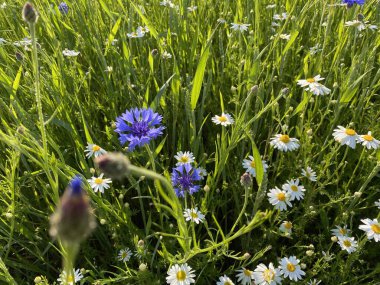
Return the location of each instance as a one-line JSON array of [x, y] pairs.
[[213, 69]]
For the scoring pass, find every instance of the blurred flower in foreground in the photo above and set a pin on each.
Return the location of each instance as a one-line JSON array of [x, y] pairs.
[[29, 14], [113, 164], [183, 178], [73, 219], [372, 229], [138, 127], [345, 136], [69, 279], [267, 275], [94, 150], [284, 143], [224, 119], [350, 3], [224, 280], [180, 275]]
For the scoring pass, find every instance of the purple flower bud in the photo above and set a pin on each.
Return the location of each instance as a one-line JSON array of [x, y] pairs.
[[63, 8], [29, 14], [246, 180], [114, 165]]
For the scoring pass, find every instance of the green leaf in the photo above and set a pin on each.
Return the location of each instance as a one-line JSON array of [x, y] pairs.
[[198, 78]]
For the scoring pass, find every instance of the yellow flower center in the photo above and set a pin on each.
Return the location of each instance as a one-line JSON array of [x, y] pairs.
[[342, 231], [247, 272], [194, 215], [253, 164], [288, 225], [281, 196], [184, 159], [268, 275], [98, 180], [227, 283], [284, 138], [290, 267], [70, 278], [222, 119], [95, 147], [376, 228], [347, 243], [310, 80], [367, 138], [181, 275], [350, 132], [123, 255], [294, 188]]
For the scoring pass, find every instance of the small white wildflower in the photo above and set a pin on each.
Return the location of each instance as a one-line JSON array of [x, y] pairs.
[[309, 173], [70, 53], [240, 27], [124, 255]]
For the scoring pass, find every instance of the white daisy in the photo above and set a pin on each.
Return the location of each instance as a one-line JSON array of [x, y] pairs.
[[348, 243], [309, 173], [70, 53], [193, 215], [290, 268], [245, 276], [314, 282], [224, 119], [341, 232], [142, 30], [377, 203], [369, 141], [264, 275], [286, 227], [279, 198], [166, 55], [294, 189], [360, 25], [345, 136], [280, 17], [250, 165], [202, 172], [124, 255], [184, 157], [313, 86], [239, 27], [192, 8], [284, 36], [65, 279], [284, 143], [372, 229], [224, 280], [99, 183], [180, 275], [94, 150]]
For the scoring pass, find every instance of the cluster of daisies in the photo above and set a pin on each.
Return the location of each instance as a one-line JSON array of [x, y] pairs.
[[289, 268], [349, 137]]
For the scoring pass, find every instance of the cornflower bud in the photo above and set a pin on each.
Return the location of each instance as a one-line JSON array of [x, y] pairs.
[[114, 165], [246, 180], [29, 14]]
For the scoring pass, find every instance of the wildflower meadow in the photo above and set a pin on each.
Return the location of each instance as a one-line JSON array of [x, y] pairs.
[[190, 142]]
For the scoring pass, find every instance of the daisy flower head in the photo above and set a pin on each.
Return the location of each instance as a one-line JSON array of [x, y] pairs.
[[99, 183], [224, 280], [284, 143], [345, 136], [264, 275], [290, 268], [369, 141], [351, 3], [314, 282], [224, 120], [69, 279], [280, 17], [309, 173], [180, 275], [94, 150], [239, 27], [314, 86], [372, 229], [250, 165], [295, 190], [341, 232], [183, 178], [70, 53], [279, 198], [377, 204], [193, 215], [124, 255], [138, 127], [245, 276], [202, 172], [348, 243], [184, 157], [286, 227]]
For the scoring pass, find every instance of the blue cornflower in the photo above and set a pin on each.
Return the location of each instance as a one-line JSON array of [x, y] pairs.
[[183, 178], [350, 3], [137, 126], [63, 8]]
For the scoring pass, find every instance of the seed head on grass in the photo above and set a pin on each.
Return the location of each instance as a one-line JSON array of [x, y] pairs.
[[113, 164]]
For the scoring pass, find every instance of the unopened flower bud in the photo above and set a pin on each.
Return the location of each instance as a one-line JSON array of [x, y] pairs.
[[206, 188], [103, 221], [246, 255], [29, 14], [360, 17], [334, 239], [9, 215], [92, 170], [303, 265], [113, 164], [254, 89], [73, 219], [233, 89], [309, 132], [38, 280], [357, 194], [140, 243], [246, 180], [143, 267], [309, 252]]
